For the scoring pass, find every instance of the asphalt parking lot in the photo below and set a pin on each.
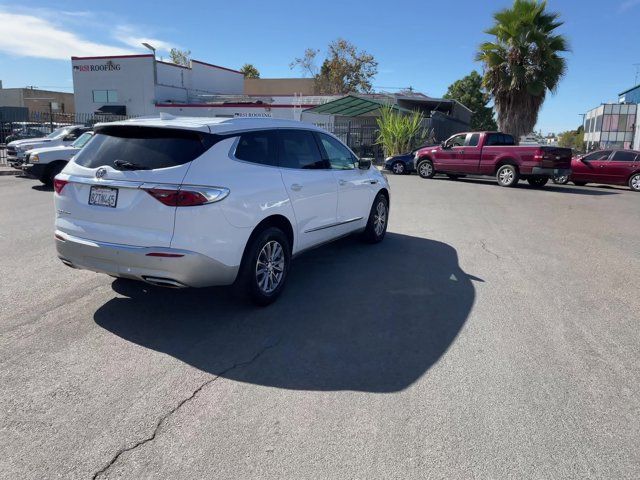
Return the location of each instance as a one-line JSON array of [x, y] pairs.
[[493, 334]]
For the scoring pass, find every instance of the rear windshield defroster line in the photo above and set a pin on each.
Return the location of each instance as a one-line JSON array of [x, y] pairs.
[[127, 147]]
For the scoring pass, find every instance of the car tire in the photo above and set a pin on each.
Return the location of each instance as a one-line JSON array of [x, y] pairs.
[[51, 172], [398, 168], [378, 219], [560, 179], [634, 182], [537, 182], [579, 184], [265, 266], [425, 169], [507, 176]]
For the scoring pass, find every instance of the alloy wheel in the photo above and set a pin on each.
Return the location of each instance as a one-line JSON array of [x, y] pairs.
[[398, 168], [425, 169], [635, 182], [380, 218], [270, 266], [506, 176]]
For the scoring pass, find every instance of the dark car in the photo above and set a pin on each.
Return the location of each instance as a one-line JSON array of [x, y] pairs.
[[613, 167], [401, 164]]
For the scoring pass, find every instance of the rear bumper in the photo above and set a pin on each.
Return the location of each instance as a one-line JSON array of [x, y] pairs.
[[191, 269], [550, 172]]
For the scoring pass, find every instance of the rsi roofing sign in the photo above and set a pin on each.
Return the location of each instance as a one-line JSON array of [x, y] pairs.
[[105, 67]]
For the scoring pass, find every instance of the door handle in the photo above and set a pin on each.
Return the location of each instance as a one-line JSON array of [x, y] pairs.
[[296, 187], [462, 151], [373, 182], [342, 182]]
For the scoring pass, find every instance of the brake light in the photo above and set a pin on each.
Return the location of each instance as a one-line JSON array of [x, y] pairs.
[[189, 196], [58, 184]]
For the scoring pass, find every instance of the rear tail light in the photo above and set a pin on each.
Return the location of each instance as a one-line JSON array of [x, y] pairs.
[[188, 196], [58, 184]]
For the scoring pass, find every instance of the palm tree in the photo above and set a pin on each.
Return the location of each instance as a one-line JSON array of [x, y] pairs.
[[522, 63]]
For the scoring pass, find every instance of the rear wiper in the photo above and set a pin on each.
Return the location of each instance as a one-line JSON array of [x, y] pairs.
[[123, 164]]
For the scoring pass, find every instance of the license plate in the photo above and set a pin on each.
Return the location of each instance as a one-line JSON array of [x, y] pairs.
[[103, 196]]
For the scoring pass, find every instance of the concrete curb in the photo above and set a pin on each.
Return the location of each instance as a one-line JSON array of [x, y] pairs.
[[9, 171]]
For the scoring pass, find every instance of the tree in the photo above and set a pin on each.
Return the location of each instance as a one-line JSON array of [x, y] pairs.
[[522, 63], [344, 70], [180, 57], [469, 92], [250, 71], [572, 139], [398, 132]]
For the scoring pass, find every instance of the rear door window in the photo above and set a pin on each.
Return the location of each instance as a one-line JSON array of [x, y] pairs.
[[623, 156], [257, 147], [125, 147], [298, 149]]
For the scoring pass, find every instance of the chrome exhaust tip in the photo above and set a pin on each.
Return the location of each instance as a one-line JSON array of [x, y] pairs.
[[164, 282]]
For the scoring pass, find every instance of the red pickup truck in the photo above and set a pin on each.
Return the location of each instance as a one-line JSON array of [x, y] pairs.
[[495, 154]]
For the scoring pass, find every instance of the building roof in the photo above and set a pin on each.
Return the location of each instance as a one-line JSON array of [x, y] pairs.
[[628, 90], [351, 106]]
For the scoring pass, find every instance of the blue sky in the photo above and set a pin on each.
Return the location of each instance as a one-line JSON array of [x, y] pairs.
[[423, 44]]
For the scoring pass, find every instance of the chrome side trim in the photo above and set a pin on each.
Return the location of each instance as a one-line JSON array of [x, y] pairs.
[[333, 225]]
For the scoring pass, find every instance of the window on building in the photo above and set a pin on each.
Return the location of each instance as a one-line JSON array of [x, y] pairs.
[[105, 96]]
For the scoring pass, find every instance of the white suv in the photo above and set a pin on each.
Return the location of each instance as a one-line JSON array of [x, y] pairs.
[[195, 202]]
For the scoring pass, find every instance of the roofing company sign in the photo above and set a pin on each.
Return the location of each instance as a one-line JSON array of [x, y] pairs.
[[105, 67]]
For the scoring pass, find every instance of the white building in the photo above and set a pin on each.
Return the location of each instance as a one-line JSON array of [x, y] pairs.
[[135, 85]]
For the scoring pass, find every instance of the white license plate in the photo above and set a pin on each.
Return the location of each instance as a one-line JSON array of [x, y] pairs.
[[103, 196]]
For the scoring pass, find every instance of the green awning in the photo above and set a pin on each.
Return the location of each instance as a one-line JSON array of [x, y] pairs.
[[351, 106]]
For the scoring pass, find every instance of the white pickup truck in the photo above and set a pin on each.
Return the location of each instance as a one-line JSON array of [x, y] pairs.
[[62, 136], [45, 163]]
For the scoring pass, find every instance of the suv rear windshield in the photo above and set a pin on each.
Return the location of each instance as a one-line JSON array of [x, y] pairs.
[[126, 147]]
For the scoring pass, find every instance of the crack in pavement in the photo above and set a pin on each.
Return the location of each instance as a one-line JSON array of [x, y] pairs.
[[484, 247], [162, 419]]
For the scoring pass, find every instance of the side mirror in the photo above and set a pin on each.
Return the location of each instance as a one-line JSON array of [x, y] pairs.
[[584, 160], [364, 163], [445, 146]]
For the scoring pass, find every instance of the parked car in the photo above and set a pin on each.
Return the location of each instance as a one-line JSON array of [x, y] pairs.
[[401, 164], [25, 133], [495, 154], [61, 136], [196, 202], [614, 167], [45, 163]]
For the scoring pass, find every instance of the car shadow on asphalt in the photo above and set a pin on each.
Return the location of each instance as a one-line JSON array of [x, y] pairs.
[[546, 188], [353, 317]]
